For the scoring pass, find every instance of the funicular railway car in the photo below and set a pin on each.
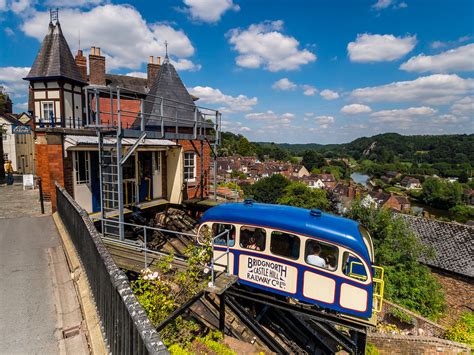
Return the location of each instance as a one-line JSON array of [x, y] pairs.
[[310, 256]]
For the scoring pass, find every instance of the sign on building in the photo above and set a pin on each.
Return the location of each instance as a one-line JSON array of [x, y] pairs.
[[21, 130]]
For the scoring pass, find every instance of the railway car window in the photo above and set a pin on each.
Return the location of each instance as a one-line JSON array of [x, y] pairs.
[[321, 254], [285, 244], [353, 267], [252, 238], [219, 228]]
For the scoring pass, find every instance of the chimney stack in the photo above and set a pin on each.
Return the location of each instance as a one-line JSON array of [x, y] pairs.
[[81, 63], [96, 67], [152, 71]]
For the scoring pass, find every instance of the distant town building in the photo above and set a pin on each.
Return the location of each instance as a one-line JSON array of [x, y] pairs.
[[410, 183], [18, 147]]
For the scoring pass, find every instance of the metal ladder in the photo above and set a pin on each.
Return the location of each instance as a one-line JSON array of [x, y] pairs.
[[110, 185]]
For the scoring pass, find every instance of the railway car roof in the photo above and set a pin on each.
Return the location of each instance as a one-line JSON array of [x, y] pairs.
[[313, 223]]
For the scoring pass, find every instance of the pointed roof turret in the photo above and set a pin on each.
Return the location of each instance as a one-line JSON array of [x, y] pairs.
[[177, 100], [54, 59]]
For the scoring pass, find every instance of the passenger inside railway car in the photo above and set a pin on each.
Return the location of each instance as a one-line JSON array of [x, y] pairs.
[[218, 229], [252, 238], [321, 255]]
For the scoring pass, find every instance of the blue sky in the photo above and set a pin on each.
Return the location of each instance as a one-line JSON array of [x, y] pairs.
[[285, 71]]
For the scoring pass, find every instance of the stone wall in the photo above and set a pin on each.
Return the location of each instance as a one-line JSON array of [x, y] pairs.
[[416, 345], [458, 292], [428, 327]]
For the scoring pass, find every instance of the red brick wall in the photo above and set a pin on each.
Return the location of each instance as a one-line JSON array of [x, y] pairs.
[[50, 164], [194, 188], [127, 118]]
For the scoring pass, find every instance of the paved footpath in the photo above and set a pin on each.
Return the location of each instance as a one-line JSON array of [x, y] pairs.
[[31, 303]]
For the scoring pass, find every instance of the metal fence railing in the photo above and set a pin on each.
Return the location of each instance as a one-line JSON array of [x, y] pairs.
[[125, 324]]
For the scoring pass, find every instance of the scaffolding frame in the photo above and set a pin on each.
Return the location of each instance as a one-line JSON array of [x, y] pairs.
[[204, 127]]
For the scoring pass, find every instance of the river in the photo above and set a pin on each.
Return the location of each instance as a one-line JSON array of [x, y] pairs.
[[360, 178]]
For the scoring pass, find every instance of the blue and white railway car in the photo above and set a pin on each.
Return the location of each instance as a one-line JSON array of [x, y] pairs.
[[310, 256]]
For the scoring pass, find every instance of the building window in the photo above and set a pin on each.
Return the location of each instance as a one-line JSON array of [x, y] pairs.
[[82, 168], [189, 166], [5, 157], [48, 109]]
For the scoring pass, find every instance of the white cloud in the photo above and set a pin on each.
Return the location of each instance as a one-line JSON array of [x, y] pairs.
[[309, 90], [402, 115], [240, 103], [9, 32], [436, 89], [270, 116], [209, 11], [185, 64], [355, 109], [324, 121], [458, 59], [73, 3], [463, 107], [284, 84], [379, 48], [11, 78], [329, 94], [441, 44], [264, 45], [125, 37], [137, 74], [3, 5], [402, 5], [235, 126], [382, 4], [22, 106], [449, 119], [22, 7]]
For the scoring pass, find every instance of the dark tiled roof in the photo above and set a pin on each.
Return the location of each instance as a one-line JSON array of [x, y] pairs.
[[453, 243], [128, 82], [54, 59], [13, 119], [177, 100]]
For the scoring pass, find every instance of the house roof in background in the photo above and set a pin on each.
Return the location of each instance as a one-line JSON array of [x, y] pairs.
[[453, 243]]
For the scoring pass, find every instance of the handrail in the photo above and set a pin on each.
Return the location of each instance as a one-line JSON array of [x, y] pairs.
[[124, 322], [214, 259]]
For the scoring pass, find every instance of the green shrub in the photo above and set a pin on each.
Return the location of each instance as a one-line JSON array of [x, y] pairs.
[[370, 349], [463, 330], [401, 316]]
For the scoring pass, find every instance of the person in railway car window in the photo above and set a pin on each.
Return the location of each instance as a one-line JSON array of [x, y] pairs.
[[218, 229], [252, 238], [331, 262], [314, 258]]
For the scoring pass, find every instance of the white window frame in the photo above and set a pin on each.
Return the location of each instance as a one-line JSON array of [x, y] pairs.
[[77, 179], [43, 104], [187, 166]]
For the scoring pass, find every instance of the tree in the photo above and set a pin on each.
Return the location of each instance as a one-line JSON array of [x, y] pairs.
[[407, 281], [441, 194], [244, 147], [312, 159], [267, 190], [463, 177], [299, 195]]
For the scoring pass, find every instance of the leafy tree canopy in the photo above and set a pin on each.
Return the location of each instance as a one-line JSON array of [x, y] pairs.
[[267, 190], [312, 159], [299, 195], [407, 281], [441, 193]]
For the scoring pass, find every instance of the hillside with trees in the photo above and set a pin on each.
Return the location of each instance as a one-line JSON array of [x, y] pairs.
[[384, 148]]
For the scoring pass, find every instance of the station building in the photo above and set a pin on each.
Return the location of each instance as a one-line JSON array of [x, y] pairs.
[[66, 98]]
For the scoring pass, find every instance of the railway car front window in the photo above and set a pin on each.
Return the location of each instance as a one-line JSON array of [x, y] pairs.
[[353, 267], [285, 244], [321, 255], [252, 238], [218, 229]]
